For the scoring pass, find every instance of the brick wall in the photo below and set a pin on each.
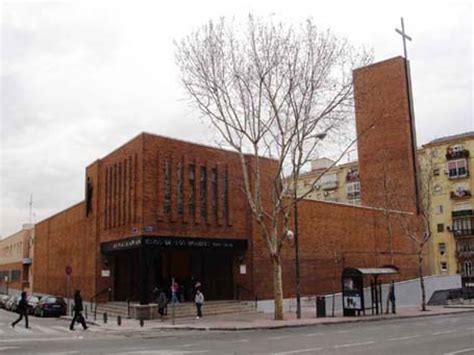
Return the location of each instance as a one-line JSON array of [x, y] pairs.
[[386, 137], [356, 236]]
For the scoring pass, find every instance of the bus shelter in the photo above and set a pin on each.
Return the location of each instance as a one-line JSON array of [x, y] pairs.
[[353, 289]]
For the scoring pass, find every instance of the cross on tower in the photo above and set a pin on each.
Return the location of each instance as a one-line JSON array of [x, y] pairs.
[[404, 37]]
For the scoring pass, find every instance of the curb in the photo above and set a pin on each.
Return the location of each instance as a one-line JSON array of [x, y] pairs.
[[280, 326]]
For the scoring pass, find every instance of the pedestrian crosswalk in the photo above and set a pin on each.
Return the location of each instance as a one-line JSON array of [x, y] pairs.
[[35, 329]]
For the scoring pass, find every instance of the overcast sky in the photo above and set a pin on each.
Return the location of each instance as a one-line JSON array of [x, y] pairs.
[[80, 79]]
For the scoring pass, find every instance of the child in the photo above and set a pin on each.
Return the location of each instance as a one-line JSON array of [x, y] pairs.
[[199, 300]]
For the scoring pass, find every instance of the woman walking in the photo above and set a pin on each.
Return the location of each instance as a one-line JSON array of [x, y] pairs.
[[199, 300]]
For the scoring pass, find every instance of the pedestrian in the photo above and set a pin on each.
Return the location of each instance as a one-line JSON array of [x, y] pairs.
[[22, 309], [174, 291], [162, 302], [199, 300], [78, 308]]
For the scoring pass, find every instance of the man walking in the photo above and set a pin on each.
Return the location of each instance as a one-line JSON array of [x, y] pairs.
[[22, 309], [78, 311]]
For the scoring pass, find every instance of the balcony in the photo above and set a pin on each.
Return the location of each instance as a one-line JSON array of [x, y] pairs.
[[460, 194], [463, 232], [352, 176], [457, 154]]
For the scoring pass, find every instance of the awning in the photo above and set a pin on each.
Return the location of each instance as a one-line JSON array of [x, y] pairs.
[[386, 270]]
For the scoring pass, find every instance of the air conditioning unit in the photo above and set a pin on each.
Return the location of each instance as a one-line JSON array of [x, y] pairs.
[[448, 228], [458, 148]]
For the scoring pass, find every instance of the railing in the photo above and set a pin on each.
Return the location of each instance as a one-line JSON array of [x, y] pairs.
[[460, 195], [128, 300], [457, 155], [238, 292], [463, 232], [94, 299]]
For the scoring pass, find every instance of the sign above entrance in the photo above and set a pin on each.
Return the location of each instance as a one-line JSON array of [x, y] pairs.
[[174, 242]]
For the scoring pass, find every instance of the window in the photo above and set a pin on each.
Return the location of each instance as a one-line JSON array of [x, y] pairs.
[[463, 226], [15, 275], [179, 188], [440, 227], [226, 196], [203, 192], [467, 268], [444, 266], [214, 193], [353, 190], [192, 190], [167, 187], [439, 209], [457, 168], [442, 248]]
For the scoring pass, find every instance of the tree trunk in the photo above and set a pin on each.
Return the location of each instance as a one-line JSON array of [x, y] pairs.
[[422, 281], [277, 287]]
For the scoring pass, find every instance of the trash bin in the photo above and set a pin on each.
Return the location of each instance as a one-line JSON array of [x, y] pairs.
[[320, 306]]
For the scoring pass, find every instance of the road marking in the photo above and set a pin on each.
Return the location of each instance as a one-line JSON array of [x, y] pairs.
[[8, 348], [353, 344], [63, 329], [22, 330], [22, 340], [298, 351], [46, 330], [459, 351], [404, 338], [444, 332], [187, 345], [239, 341], [312, 334], [281, 337], [165, 352], [344, 331]]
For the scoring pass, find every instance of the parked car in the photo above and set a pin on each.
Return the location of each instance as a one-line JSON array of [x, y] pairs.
[[50, 306], [3, 300], [12, 303], [32, 302]]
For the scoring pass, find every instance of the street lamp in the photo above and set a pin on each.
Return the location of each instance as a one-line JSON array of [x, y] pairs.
[[6, 284], [318, 136]]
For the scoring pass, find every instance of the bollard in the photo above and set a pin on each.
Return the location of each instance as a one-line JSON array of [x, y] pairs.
[[142, 322], [72, 309], [105, 317], [119, 320], [85, 311]]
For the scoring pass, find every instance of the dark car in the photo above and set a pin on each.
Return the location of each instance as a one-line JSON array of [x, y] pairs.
[[32, 302], [50, 306]]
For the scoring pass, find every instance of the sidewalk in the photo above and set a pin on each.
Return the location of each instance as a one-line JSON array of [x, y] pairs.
[[248, 321]]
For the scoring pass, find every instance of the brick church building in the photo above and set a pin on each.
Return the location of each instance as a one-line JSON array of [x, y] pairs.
[[158, 208]]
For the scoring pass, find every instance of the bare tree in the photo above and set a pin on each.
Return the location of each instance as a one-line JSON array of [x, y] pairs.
[[270, 89], [417, 228]]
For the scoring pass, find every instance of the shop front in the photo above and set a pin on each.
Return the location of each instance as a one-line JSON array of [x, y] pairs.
[[140, 265]]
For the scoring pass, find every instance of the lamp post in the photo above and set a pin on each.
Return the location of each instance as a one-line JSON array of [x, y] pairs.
[[6, 284], [319, 137]]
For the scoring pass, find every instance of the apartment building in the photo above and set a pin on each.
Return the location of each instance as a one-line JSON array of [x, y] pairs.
[[448, 159]]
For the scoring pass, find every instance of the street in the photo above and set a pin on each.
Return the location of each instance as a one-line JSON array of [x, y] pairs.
[[449, 334]]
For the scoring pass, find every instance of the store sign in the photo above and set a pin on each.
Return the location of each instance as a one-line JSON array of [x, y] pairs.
[[175, 243], [105, 273], [243, 269]]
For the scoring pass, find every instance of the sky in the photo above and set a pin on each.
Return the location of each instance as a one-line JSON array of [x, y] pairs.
[[79, 79]]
